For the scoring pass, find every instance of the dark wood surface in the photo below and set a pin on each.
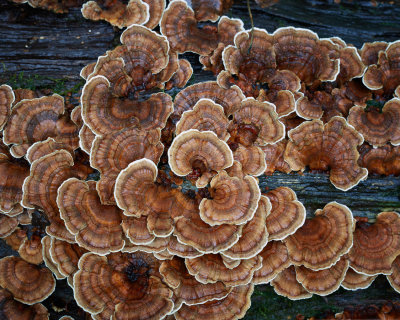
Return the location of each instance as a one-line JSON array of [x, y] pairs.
[[42, 49]]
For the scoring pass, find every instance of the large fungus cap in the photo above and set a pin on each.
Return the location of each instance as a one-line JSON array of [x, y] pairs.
[[322, 240], [275, 259], [186, 288], [257, 122], [287, 213], [179, 25], [285, 284], [7, 98], [378, 127], [28, 283], [11, 309], [117, 13], [105, 113], [199, 154], [232, 307], [210, 268], [331, 146], [233, 200], [122, 285], [229, 99], [36, 120], [323, 282], [354, 280], [302, 52], [113, 152], [376, 245], [394, 277], [96, 227], [205, 116], [383, 160], [254, 234]]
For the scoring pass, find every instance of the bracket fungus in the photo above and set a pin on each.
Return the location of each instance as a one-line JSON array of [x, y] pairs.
[[354, 280], [285, 284], [394, 277], [7, 98], [383, 160]]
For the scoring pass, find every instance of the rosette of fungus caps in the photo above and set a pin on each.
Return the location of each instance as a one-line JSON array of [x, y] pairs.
[[322, 240], [199, 155], [130, 285], [376, 245], [36, 120], [378, 127], [331, 146], [28, 283], [6, 100]]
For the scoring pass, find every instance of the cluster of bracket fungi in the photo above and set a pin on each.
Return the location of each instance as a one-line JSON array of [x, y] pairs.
[[176, 226]]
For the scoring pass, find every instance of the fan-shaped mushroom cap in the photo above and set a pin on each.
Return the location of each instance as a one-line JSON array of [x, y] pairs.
[[15, 239], [209, 10], [378, 128], [181, 76], [28, 283], [37, 119], [13, 175], [302, 52], [179, 25], [11, 309], [354, 280], [205, 116], [274, 157], [274, 260], [113, 152], [385, 74], [199, 152], [322, 240], [136, 230], [252, 159], [31, 249], [96, 227], [370, 50], [21, 94], [234, 306], [229, 99], [182, 250], [40, 188], [287, 213], [254, 234], [47, 259], [86, 138], [156, 9], [233, 200], [383, 160], [394, 277], [323, 282], [210, 268], [7, 225], [104, 113], [122, 284], [87, 70], [285, 284], [256, 122], [351, 65], [117, 14], [41, 148], [333, 145], [6, 100], [376, 245], [186, 288]]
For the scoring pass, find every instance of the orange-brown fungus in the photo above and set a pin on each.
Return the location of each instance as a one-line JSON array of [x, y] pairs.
[[36, 120], [370, 50], [323, 282], [27, 282], [205, 116], [122, 284], [322, 240], [254, 234], [354, 280], [383, 160], [113, 152], [322, 147], [186, 288], [378, 126], [156, 10], [47, 259], [233, 200], [287, 213], [274, 157], [210, 268], [41, 148], [199, 155], [11, 309], [15, 239], [86, 138], [7, 98], [209, 9], [232, 307], [394, 277], [31, 249], [376, 245], [351, 65], [96, 227], [274, 260], [117, 13], [252, 159], [40, 188], [7, 225], [181, 76], [285, 284]]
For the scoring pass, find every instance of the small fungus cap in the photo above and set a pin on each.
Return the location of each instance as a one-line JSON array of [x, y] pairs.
[[7, 98], [354, 280], [285, 284]]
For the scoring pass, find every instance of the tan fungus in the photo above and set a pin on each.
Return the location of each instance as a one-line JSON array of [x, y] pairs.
[[354, 280], [285, 284]]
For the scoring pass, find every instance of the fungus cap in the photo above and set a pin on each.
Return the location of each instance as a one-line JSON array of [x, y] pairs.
[[354, 280], [7, 98], [285, 284]]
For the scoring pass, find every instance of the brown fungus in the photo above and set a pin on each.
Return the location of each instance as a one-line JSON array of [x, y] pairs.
[[285, 284], [354, 280], [384, 160], [394, 277], [7, 98]]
